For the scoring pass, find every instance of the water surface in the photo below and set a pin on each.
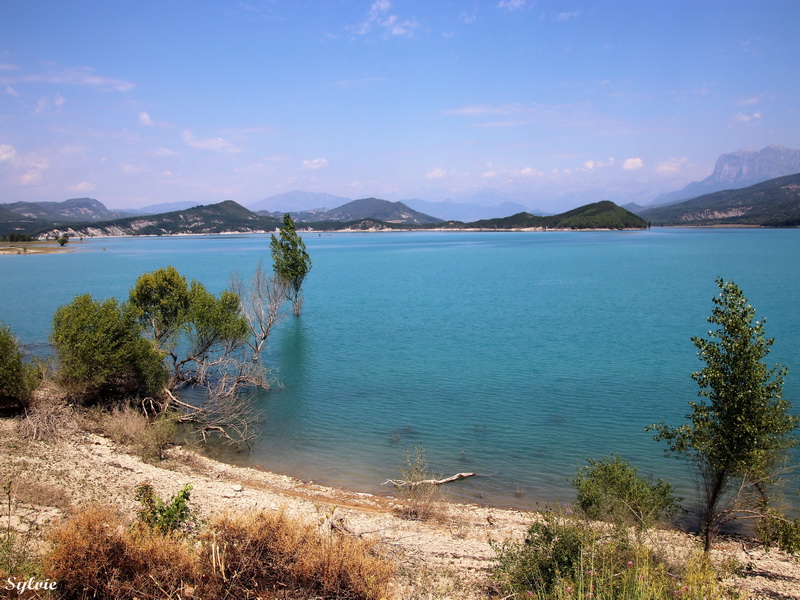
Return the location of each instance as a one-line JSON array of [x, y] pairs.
[[513, 355]]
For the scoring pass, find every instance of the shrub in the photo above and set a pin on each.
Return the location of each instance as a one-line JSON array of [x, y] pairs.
[[564, 557], [164, 517], [420, 500], [102, 352], [17, 379], [611, 489], [158, 436]]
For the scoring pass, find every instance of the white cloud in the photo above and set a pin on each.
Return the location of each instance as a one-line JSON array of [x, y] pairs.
[[436, 174], [598, 164], [743, 118], [33, 168], [83, 76], [391, 24], [563, 17], [214, 144], [83, 186], [165, 152], [751, 100], [512, 4], [145, 119], [59, 101], [7, 153], [11, 91], [315, 163], [673, 165], [632, 164], [530, 172]]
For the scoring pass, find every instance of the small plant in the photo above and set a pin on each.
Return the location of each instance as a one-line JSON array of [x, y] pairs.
[[420, 500], [611, 489], [17, 557], [165, 517], [158, 436], [776, 530]]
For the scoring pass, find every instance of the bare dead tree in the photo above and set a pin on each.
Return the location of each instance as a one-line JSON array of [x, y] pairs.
[[262, 300]]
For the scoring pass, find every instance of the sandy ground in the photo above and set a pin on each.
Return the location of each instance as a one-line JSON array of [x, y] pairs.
[[447, 557]]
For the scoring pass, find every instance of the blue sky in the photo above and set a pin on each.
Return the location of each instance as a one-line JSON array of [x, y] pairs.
[[552, 103]]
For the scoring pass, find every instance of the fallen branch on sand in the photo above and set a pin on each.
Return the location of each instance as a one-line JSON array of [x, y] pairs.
[[402, 483]]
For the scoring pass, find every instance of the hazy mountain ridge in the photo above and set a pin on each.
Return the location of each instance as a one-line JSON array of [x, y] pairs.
[[368, 208], [739, 169], [772, 203], [74, 210]]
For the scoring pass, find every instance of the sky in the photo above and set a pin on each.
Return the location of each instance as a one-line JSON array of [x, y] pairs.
[[553, 104]]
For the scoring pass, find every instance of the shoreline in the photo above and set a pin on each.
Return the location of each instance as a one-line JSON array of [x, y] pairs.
[[450, 554]]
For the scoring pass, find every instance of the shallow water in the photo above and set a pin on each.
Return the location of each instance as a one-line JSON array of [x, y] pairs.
[[513, 355]]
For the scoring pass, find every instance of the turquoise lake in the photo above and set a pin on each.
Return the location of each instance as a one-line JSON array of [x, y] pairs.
[[513, 355]]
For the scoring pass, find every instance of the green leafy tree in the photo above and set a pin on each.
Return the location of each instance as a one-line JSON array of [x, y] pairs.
[[17, 378], [101, 350], [290, 260], [204, 338], [194, 328], [740, 433]]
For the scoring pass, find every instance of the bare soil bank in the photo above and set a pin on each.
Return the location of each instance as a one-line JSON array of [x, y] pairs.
[[446, 557]]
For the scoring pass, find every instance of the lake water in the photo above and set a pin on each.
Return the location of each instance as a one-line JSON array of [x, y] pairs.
[[512, 355]]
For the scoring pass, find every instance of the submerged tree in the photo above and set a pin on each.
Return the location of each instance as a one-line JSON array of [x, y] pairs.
[[740, 435], [290, 260], [261, 299]]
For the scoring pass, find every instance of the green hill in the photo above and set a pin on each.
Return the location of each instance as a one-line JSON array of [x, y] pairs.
[[227, 216], [773, 203], [599, 215], [368, 208]]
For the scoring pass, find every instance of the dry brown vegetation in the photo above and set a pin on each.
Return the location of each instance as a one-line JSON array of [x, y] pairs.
[[97, 554]]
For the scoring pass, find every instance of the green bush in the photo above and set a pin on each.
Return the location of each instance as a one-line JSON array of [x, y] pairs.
[[101, 350], [17, 378], [564, 557], [611, 489], [164, 517]]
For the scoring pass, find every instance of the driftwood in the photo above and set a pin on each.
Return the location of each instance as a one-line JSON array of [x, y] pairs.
[[402, 483]]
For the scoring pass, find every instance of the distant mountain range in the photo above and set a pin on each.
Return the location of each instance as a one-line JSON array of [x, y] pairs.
[[365, 214], [484, 204], [773, 203], [739, 169], [75, 210]]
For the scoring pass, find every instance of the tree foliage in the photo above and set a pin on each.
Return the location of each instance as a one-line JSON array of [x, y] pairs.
[[101, 350], [190, 325], [611, 489], [739, 434], [290, 260], [17, 378]]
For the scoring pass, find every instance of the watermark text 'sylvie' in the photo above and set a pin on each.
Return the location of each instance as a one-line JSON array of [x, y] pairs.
[[22, 586]]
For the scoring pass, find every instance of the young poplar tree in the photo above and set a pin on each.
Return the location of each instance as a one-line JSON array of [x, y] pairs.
[[740, 434], [290, 260]]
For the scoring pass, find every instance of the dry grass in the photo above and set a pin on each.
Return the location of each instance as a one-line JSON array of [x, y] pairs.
[[260, 554], [48, 418]]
